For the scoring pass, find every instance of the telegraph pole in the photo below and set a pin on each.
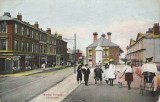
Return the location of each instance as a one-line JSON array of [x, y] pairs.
[[75, 53]]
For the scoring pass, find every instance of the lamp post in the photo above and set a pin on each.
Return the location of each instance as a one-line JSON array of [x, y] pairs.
[[74, 50]]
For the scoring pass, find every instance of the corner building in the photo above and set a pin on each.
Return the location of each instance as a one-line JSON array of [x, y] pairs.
[[24, 46]]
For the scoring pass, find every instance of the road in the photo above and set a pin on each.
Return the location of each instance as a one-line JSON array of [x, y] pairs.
[[24, 88], [107, 93]]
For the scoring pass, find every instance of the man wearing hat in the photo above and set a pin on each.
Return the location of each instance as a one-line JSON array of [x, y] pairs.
[[149, 70]]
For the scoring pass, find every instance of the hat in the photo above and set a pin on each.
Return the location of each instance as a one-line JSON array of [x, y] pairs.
[[86, 64], [128, 62], [149, 58], [110, 60]]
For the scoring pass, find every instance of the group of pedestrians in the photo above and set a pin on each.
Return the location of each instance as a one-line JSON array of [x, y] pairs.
[[83, 69], [108, 71]]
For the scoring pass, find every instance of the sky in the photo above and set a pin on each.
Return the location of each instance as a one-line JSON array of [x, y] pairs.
[[123, 18]]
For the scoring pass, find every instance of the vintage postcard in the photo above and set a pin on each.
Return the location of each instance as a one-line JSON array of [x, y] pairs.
[[79, 50]]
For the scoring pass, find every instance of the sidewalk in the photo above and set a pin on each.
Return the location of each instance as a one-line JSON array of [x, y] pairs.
[[59, 91], [29, 72]]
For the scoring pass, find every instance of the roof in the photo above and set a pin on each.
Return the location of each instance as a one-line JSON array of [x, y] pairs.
[[5, 18], [103, 42]]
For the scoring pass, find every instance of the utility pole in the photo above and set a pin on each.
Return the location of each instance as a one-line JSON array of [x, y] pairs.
[[74, 49], [75, 53]]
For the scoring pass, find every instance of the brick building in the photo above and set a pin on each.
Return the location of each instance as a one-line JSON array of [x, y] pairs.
[[110, 50], [24, 46]]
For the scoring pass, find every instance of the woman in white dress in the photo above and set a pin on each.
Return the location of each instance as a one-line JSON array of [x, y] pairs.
[[111, 72]]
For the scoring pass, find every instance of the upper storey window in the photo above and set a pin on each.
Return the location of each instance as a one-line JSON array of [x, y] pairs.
[[3, 44], [3, 27], [16, 28]]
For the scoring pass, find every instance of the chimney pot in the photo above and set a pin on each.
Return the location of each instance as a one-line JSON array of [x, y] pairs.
[[109, 36], [49, 30], [36, 25], [19, 16], [95, 36], [156, 29]]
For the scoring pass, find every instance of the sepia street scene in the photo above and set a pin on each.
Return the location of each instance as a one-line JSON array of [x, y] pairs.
[[79, 51]]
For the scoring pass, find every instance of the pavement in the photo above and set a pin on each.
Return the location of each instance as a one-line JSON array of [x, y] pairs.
[[58, 92], [65, 87], [17, 88], [29, 72]]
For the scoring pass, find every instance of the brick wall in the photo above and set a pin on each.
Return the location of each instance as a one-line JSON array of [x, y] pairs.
[[114, 54]]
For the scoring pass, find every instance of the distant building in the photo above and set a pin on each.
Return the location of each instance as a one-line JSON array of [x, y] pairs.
[[71, 55], [24, 46], [145, 45], [106, 47]]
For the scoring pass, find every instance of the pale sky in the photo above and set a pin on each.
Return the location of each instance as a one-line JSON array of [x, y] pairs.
[[123, 18]]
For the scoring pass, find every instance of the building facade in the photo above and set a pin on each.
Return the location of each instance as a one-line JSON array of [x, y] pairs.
[[145, 45], [24, 46], [110, 50]]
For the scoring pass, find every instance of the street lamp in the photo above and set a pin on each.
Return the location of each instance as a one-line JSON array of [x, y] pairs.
[[74, 50]]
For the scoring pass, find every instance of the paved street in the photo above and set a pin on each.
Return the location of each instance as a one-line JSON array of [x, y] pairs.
[[106, 93], [16, 88]]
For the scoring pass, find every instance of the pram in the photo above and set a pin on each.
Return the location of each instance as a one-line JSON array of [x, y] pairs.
[[147, 82]]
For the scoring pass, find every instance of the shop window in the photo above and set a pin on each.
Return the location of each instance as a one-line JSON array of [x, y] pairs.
[[3, 27], [3, 44]]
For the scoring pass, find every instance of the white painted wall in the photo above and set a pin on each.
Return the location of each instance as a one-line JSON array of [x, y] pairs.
[[152, 47]]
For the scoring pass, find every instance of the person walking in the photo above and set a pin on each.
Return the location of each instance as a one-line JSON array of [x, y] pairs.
[[44, 66], [105, 74], [128, 71], [98, 73], [86, 72], [79, 74], [119, 78], [111, 72], [96, 67]]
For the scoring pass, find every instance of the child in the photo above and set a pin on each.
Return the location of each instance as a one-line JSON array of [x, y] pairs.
[[119, 78]]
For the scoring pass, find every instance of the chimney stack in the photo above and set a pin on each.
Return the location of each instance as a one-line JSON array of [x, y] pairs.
[[19, 16], [49, 30], [36, 25], [60, 36], [109, 36], [156, 29], [95, 36], [7, 14]]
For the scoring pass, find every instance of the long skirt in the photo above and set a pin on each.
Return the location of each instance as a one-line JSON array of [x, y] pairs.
[[129, 77]]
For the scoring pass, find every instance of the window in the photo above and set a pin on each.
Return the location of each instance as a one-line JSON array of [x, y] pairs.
[[28, 47], [3, 27], [32, 33], [3, 44], [36, 48], [16, 45], [16, 28], [32, 47], [22, 46], [106, 52], [37, 36], [90, 52], [41, 48], [22, 31], [27, 32]]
